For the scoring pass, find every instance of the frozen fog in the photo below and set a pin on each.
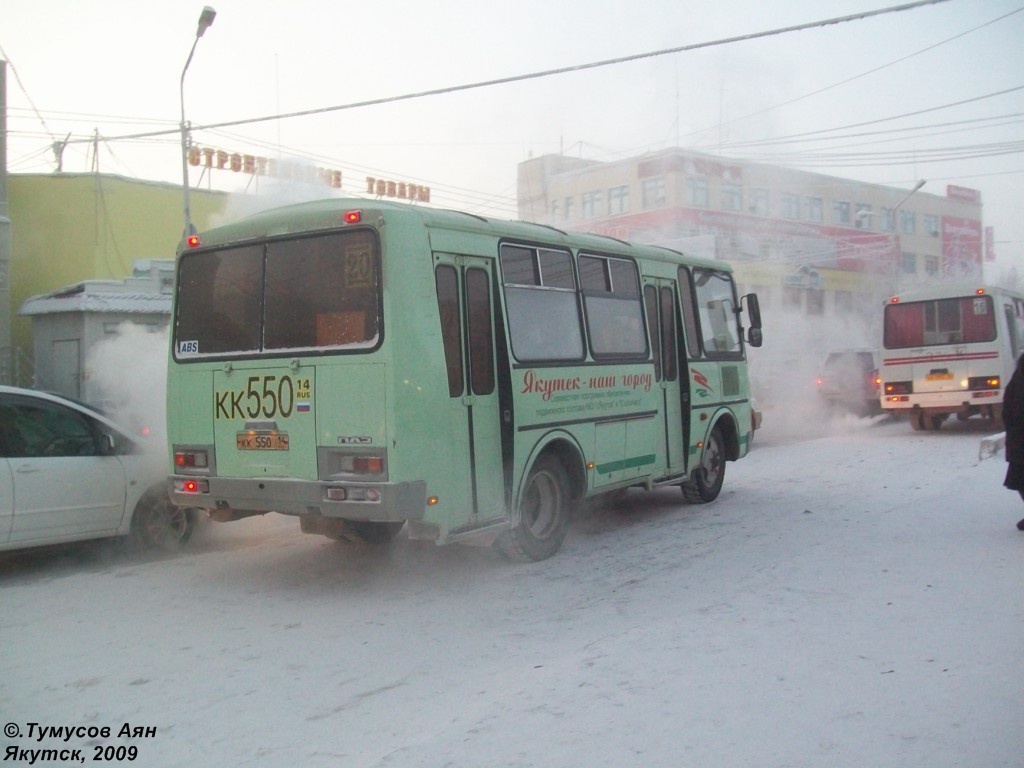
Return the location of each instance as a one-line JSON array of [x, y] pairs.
[[851, 599]]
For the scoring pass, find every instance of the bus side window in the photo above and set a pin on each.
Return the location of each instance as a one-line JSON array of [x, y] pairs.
[[651, 307], [685, 280], [447, 282], [611, 297], [668, 334], [541, 303], [718, 317], [481, 334]]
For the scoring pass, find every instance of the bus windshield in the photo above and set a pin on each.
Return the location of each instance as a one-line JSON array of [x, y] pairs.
[[312, 293], [961, 320]]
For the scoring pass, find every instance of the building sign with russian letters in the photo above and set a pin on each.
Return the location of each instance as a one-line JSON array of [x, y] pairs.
[[400, 189], [254, 165]]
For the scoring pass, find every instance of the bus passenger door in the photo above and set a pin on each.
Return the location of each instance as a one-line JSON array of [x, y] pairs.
[[466, 301], [663, 327]]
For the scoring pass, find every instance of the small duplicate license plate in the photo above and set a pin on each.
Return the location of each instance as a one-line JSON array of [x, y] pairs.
[[262, 441]]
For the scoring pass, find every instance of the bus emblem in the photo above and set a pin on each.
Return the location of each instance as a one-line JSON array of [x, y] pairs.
[[702, 381]]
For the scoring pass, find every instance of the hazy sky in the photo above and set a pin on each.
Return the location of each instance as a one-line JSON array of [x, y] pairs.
[[889, 99]]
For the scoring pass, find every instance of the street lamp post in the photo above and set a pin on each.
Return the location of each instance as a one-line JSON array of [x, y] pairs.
[[205, 20]]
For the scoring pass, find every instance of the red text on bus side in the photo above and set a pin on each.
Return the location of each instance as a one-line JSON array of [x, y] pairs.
[[534, 385]]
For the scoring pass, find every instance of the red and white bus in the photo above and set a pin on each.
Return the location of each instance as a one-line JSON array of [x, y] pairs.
[[950, 348]]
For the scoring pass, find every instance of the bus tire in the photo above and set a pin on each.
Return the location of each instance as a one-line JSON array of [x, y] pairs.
[[706, 481], [543, 514]]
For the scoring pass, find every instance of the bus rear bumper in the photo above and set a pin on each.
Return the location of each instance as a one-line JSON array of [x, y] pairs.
[[939, 407], [235, 498]]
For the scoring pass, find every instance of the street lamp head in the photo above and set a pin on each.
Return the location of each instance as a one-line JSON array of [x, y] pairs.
[[205, 20]]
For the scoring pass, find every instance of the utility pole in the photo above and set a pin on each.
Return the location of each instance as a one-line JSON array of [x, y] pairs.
[[5, 240]]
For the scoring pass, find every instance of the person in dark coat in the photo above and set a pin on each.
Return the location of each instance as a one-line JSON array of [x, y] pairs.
[[1013, 420]]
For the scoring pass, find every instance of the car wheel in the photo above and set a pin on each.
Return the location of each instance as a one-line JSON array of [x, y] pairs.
[[543, 514], [707, 479], [159, 524]]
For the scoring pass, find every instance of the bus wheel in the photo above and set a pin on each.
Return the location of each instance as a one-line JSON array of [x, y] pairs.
[[917, 422], [543, 514], [708, 477]]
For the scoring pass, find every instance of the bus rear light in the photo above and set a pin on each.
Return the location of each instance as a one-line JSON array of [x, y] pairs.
[[899, 387], [350, 493], [193, 241], [191, 459], [983, 382], [985, 393], [192, 486], [353, 217], [363, 465], [897, 399]]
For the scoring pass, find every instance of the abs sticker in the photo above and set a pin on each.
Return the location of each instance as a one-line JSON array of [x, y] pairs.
[[188, 347]]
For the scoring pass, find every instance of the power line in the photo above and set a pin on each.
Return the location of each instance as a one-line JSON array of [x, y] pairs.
[[557, 71], [862, 74], [21, 85]]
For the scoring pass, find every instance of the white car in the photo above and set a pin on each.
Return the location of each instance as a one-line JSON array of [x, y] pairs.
[[68, 473]]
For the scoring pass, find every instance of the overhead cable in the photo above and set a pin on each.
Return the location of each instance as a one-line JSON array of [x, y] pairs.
[[557, 71]]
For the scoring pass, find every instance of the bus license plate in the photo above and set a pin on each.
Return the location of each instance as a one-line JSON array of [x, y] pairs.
[[262, 441], [939, 377]]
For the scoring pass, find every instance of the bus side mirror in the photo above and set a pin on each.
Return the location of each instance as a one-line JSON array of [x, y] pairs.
[[754, 336]]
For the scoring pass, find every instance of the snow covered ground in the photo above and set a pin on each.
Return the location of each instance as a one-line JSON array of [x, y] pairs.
[[856, 599]]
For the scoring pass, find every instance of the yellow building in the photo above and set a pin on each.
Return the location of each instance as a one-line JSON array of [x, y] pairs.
[[66, 228]]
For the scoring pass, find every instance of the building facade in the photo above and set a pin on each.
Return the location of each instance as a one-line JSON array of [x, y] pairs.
[[809, 243], [66, 228]]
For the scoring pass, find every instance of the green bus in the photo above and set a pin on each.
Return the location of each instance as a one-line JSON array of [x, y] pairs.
[[366, 365]]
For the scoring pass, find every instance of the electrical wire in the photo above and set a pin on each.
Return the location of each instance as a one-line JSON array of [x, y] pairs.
[[556, 71]]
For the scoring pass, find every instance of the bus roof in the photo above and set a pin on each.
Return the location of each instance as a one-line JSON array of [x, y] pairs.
[[328, 214], [949, 289]]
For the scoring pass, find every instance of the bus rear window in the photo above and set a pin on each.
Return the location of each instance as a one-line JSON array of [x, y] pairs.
[[313, 293], [962, 320]]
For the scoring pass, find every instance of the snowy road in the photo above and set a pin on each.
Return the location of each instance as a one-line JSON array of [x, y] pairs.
[[852, 600]]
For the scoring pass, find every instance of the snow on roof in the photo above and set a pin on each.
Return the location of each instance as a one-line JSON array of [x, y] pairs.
[[145, 291], [91, 300]]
